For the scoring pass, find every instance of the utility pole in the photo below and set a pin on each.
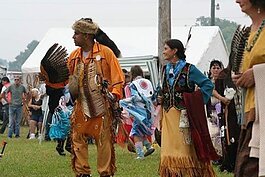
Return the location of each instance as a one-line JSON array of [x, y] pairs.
[[164, 26], [212, 12]]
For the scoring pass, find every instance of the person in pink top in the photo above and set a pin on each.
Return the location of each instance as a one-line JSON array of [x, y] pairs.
[[5, 102]]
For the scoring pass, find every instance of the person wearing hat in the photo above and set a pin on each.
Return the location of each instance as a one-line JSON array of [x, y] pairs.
[[91, 65]]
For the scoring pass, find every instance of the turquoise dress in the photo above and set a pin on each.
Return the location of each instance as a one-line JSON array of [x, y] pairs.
[[141, 108]]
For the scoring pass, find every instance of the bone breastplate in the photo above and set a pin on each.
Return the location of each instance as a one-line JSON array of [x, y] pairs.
[[90, 93]]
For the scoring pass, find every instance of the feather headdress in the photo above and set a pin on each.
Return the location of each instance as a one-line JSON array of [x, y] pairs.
[[238, 47], [54, 65]]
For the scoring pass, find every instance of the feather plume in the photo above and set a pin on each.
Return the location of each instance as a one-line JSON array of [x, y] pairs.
[[238, 47], [104, 39], [54, 63]]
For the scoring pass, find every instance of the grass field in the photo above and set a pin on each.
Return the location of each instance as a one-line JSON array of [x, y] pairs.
[[28, 158]]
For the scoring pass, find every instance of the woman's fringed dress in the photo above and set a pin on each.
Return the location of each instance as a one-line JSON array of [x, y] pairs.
[[178, 155]]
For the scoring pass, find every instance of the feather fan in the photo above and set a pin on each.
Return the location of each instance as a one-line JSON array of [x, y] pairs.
[[55, 64], [238, 47]]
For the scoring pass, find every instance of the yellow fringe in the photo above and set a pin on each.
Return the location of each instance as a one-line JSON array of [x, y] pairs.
[[184, 167]]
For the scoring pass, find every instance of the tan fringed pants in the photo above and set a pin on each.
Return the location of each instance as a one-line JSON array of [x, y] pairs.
[[100, 129]]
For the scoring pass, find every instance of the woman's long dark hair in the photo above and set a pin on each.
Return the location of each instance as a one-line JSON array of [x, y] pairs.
[[177, 44], [258, 3], [215, 62]]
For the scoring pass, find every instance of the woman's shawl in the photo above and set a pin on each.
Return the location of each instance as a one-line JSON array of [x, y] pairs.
[[198, 126], [257, 142], [60, 126], [139, 105]]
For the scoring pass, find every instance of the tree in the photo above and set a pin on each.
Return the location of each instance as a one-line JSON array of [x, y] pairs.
[[3, 62], [164, 26], [22, 57], [227, 27]]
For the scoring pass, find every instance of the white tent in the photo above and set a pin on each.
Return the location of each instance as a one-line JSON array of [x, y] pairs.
[[139, 45]]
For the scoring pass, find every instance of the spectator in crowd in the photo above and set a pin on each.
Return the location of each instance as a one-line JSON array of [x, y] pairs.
[[214, 108], [230, 114], [18, 95], [36, 118], [5, 103]]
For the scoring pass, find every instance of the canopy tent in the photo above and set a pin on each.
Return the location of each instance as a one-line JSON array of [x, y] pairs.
[[139, 45]]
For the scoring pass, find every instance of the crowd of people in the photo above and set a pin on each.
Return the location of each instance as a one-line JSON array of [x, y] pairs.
[[203, 121]]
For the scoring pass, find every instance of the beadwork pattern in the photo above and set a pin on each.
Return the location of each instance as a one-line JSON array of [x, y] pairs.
[[249, 48]]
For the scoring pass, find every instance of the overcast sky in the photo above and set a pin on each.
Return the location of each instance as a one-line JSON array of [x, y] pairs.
[[25, 20]]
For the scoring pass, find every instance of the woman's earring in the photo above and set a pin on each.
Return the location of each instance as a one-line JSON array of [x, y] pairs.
[[258, 10]]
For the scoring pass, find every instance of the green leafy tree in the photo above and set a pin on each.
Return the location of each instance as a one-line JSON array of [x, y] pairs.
[[22, 57], [3, 62], [227, 27]]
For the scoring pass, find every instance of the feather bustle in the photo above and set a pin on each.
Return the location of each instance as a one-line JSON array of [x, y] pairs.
[[55, 65]]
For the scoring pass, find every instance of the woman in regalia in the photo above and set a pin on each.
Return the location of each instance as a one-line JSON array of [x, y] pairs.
[[179, 156]]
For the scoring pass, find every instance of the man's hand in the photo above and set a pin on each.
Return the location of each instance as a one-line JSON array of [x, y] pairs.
[[115, 97]]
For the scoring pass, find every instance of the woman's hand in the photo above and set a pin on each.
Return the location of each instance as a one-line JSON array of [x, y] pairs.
[[225, 100], [247, 79], [35, 107], [235, 78]]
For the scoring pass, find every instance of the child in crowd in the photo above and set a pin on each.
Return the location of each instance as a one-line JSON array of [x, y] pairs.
[[140, 106], [60, 126]]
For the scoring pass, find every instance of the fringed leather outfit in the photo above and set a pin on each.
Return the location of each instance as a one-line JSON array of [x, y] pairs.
[[92, 115]]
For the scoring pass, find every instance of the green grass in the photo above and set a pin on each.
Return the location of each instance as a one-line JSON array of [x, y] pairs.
[[28, 158]]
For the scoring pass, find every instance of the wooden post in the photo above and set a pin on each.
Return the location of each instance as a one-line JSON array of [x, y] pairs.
[[164, 26], [212, 12]]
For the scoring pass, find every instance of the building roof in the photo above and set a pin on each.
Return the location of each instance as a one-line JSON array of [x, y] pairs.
[[138, 44]]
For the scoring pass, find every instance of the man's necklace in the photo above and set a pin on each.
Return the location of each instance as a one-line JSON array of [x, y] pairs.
[[253, 42]]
